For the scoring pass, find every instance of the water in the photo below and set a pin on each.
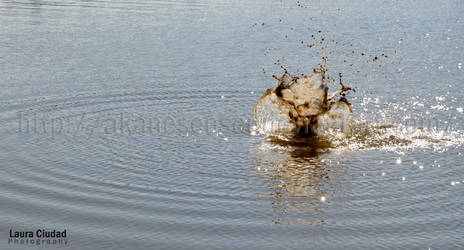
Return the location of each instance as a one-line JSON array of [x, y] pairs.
[[149, 143]]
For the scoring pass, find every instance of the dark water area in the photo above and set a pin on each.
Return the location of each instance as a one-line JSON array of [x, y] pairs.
[[130, 124]]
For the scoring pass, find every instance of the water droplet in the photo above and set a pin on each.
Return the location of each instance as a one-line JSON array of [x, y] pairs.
[[440, 98]]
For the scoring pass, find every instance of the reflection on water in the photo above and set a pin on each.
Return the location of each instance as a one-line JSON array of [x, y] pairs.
[[299, 178]]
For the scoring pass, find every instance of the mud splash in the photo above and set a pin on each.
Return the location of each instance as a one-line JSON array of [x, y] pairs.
[[300, 107]]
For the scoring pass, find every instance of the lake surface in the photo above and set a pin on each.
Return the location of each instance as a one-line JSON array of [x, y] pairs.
[[130, 124]]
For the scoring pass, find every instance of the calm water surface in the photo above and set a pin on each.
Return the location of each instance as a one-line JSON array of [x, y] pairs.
[[129, 124]]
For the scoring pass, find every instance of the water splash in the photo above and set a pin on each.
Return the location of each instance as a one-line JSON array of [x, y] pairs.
[[301, 107]]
